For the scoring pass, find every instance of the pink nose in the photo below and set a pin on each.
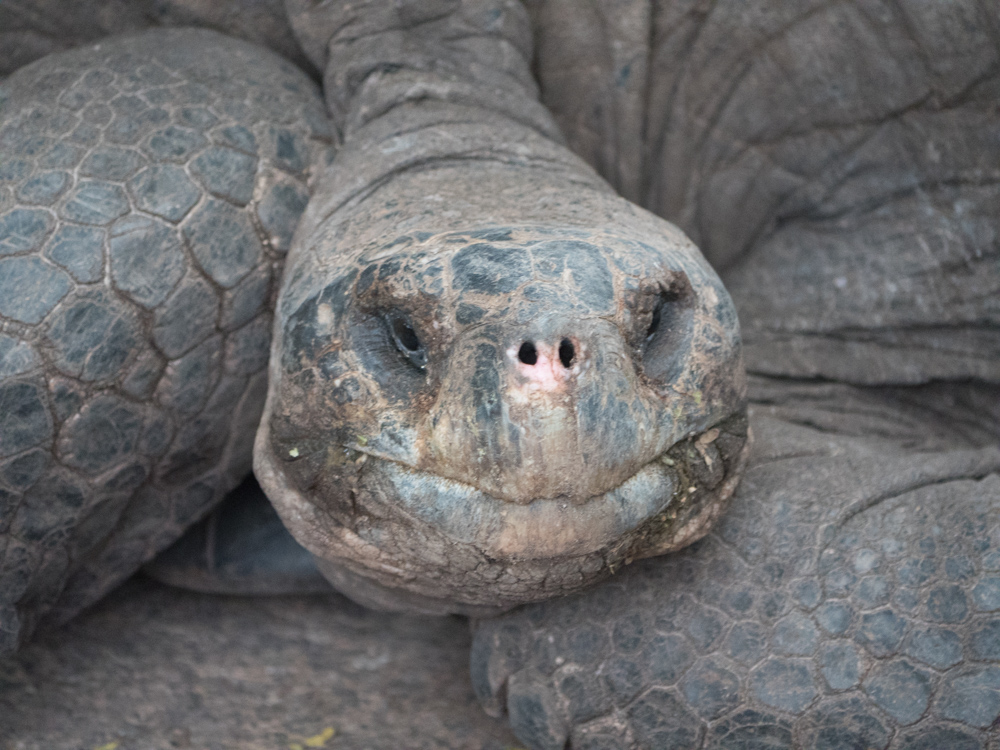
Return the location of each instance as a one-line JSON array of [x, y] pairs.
[[542, 366]]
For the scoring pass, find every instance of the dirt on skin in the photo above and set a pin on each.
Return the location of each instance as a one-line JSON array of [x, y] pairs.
[[155, 667]]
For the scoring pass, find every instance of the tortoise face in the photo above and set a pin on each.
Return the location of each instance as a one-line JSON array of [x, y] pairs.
[[490, 417]]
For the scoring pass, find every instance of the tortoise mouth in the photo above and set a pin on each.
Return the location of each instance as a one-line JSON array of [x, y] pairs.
[[436, 544], [539, 529]]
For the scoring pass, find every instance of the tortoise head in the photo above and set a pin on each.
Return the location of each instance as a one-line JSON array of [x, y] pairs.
[[474, 418]]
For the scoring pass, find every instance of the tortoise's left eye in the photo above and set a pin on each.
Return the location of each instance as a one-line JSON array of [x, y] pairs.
[[668, 335], [407, 341], [654, 324]]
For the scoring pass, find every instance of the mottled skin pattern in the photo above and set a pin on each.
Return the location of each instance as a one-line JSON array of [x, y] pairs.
[[146, 203], [837, 163], [456, 230]]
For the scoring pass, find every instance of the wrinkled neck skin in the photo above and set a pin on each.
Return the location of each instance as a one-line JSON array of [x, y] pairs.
[[492, 380]]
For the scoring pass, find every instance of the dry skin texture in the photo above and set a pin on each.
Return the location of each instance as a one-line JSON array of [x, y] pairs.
[[835, 162]]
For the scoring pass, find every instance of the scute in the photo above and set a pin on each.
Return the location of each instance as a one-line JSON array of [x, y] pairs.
[[30, 288], [80, 250], [111, 303], [23, 230], [164, 190]]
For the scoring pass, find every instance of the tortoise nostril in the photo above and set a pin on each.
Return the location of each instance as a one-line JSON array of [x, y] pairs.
[[566, 353], [527, 353]]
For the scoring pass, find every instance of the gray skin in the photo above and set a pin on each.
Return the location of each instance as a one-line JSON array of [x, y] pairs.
[[407, 441], [835, 162], [150, 192], [466, 475]]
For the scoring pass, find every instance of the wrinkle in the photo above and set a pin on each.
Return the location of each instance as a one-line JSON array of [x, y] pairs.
[[710, 125], [919, 189], [854, 334], [649, 191], [927, 476], [438, 162]]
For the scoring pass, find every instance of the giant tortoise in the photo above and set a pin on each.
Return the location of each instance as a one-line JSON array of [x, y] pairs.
[[487, 382]]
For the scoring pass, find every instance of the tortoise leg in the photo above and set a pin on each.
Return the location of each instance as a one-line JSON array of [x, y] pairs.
[[242, 548], [850, 597], [145, 210]]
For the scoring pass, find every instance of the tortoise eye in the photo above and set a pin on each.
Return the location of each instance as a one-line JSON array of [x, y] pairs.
[[668, 336], [654, 324], [407, 341]]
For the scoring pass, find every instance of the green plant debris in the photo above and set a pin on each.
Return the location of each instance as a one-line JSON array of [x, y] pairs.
[[320, 740], [317, 740]]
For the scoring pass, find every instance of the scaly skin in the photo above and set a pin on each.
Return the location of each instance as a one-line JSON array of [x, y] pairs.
[[150, 186], [836, 162], [407, 441]]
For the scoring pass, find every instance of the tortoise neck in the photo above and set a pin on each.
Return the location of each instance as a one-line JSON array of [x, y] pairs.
[[423, 85], [379, 55]]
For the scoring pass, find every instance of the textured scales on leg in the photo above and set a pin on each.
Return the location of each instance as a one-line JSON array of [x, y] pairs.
[[847, 599], [149, 187]]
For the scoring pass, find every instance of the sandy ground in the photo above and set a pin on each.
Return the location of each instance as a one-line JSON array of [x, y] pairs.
[[155, 667]]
